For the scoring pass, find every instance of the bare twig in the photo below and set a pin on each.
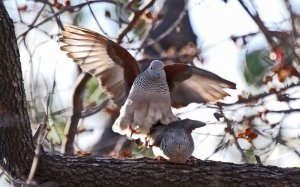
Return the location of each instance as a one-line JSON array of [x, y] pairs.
[[37, 154], [65, 9], [294, 32], [58, 21], [260, 24], [33, 22], [284, 111], [255, 98], [135, 18], [41, 137], [96, 20], [170, 29], [231, 132]]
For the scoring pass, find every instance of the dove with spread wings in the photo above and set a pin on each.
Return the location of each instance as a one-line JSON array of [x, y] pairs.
[[144, 98]]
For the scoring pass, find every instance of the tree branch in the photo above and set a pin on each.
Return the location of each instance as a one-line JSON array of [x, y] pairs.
[[134, 20], [75, 171], [77, 106]]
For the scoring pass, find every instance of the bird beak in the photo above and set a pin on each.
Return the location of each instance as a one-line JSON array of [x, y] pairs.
[[157, 75], [178, 142]]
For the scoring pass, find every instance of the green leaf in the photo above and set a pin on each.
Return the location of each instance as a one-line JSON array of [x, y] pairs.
[[257, 64]]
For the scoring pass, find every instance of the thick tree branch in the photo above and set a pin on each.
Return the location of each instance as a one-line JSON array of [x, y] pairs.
[[16, 146], [75, 171]]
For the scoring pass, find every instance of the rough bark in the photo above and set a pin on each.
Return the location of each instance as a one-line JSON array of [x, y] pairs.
[[89, 171], [15, 132], [16, 148]]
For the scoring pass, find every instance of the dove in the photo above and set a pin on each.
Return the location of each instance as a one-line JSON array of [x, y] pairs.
[[148, 102], [174, 141], [132, 90]]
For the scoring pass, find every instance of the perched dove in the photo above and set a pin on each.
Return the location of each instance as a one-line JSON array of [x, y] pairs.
[[118, 73], [173, 142], [148, 102]]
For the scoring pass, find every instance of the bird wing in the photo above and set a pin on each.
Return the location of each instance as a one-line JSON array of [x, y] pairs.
[[186, 124], [189, 84], [112, 65]]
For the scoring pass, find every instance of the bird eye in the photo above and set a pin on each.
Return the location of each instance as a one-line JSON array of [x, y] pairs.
[[151, 67]]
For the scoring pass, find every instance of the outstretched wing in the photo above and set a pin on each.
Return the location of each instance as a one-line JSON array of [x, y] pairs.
[[189, 84], [112, 65]]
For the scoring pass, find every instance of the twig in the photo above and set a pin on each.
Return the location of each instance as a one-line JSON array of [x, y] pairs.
[[19, 13], [37, 154], [170, 29], [65, 9], [58, 21], [41, 137], [136, 17], [97, 22], [284, 111], [256, 97], [294, 31], [33, 22], [260, 24], [71, 128], [231, 132]]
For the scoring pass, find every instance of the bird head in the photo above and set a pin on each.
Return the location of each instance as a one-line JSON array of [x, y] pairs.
[[178, 139], [156, 70], [177, 145]]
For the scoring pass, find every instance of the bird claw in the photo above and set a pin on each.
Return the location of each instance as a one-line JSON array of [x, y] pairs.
[[158, 158], [131, 130], [144, 145], [193, 159]]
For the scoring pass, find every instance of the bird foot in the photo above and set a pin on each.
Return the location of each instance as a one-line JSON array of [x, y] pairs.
[[145, 145], [142, 144], [131, 130], [193, 159], [158, 158]]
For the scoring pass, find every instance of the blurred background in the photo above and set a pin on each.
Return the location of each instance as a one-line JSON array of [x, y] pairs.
[[252, 43]]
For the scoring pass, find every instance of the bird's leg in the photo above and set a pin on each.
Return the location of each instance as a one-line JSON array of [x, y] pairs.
[[139, 143], [144, 144], [158, 158], [131, 130], [193, 159]]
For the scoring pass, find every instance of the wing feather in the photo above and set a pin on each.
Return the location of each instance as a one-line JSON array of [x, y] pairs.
[[111, 64], [189, 84]]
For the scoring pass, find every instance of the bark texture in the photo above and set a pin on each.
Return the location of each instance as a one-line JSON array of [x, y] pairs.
[[89, 171], [15, 131]]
